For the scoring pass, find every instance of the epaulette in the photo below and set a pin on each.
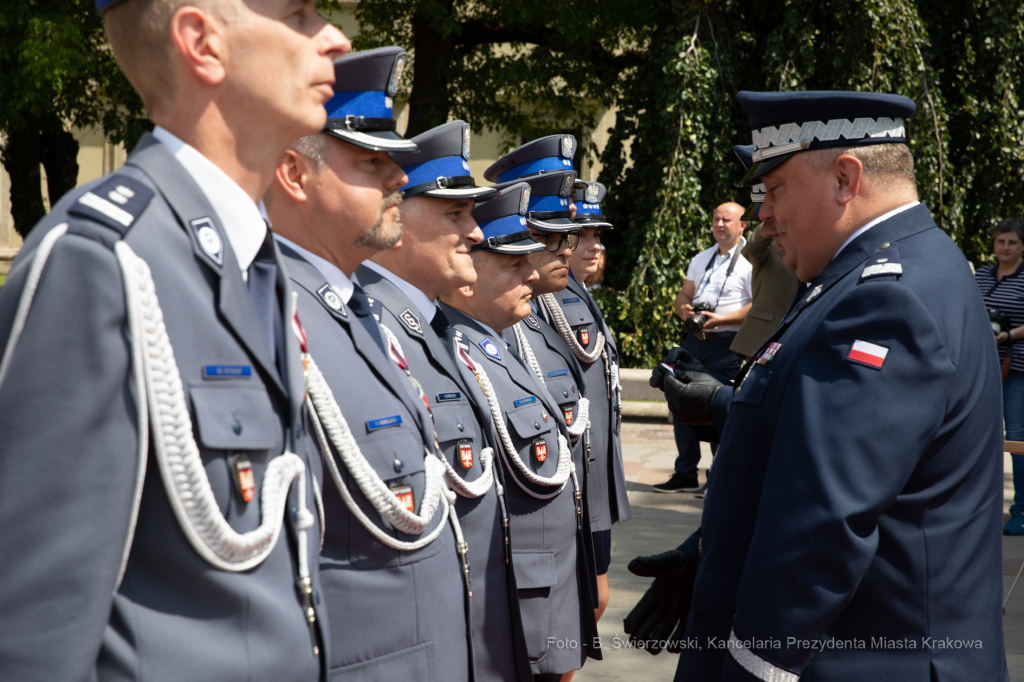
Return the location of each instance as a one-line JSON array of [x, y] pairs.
[[116, 203], [411, 321], [884, 262]]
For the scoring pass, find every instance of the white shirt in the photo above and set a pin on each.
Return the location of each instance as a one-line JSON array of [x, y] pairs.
[[342, 284], [864, 228], [708, 282], [239, 215], [419, 299]]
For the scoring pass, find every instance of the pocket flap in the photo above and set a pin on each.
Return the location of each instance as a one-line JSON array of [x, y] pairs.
[[761, 314], [753, 386], [235, 417], [448, 416], [534, 568], [529, 423]]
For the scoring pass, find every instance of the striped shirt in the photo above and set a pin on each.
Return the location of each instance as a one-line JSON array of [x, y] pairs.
[[1008, 296]]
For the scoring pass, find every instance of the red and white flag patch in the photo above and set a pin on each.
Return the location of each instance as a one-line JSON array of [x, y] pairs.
[[870, 354]]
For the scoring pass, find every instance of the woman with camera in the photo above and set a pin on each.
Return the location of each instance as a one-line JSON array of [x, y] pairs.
[[1002, 288]]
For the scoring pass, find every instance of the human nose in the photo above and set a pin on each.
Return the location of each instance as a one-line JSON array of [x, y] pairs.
[[475, 235], [332, 42]]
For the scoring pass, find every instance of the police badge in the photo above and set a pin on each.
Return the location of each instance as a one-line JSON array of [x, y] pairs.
[[590, 196], [465, 450], [524, 200], [584, 336], [567, 146], [540, 450], [465, 141], [567, 413], [396, 74]]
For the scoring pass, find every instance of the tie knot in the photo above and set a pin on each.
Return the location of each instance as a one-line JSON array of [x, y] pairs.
[[440, 322], [359, 303]]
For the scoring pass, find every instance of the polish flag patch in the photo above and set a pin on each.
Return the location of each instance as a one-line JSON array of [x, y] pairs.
[[870, 354]]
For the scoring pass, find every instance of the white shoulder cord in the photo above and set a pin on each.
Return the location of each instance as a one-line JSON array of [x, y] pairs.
[[159, 387], [560, 324], [582, 421], [566, 467], [463, 487]]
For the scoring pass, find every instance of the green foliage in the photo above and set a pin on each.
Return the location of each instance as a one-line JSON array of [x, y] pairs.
[[55, 64], [678, 120]]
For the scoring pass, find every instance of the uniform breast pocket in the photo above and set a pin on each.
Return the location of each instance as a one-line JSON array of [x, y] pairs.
[[563, 390], [457, 432], [753, 386], [532, 432], [236, 417]]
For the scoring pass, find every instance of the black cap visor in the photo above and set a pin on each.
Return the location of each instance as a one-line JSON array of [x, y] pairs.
[[377, 140], [551, 221], [593, 220]]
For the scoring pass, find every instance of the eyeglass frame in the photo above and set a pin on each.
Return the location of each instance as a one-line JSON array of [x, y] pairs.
[[563, 237]]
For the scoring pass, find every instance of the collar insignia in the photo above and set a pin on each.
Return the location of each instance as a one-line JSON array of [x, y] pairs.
[[410, 320], [488, 347], [209, 239]]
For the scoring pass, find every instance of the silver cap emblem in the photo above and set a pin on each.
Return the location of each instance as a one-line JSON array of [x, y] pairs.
[[465, 142], [524, 200], [591, 194], [567, 146], [567, 183], [396, 74]]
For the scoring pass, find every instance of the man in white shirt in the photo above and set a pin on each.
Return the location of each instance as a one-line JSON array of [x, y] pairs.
[[717, 287]]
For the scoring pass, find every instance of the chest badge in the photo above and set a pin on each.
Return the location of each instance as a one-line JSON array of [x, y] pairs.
[[768, 354], [584, 334], [245, 481], [540, 450], [488, 347], [815, 294], [209, 239], [405, 497], [331, 298], [567, 413], [465, 450], [410, 320]]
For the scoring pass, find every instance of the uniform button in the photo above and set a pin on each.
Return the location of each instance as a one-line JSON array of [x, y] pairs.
[[236, 426], [581, 318], [461, 427], [536, 425], [399, 465], [565, 393], [886, 245]]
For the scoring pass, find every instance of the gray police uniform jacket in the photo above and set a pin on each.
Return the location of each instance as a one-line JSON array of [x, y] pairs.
[[70, 445], [607, 482], [397, 614], [547, 545], [463, 424], [565, 383]]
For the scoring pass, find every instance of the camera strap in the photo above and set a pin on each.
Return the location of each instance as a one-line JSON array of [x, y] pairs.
[[728, 271]]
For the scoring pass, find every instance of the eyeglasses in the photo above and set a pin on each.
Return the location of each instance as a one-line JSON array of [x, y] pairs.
[[553, 241]]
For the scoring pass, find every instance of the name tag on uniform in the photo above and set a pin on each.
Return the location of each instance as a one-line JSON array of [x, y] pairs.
[[572, 299], [525, 401], [448, 397], [383, 422], [405, 497], [558, 372], [227, 372]]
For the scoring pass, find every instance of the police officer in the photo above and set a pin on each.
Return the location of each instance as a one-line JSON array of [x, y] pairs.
[[147, 314], [542, 489], [575, 316], [393, 557], [853, 518], [438, 230], [587, 200]]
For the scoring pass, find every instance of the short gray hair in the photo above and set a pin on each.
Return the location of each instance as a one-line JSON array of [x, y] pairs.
[[313, 148], [889, 161]]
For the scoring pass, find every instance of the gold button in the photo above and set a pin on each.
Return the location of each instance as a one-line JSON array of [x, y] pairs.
[[886, 245]]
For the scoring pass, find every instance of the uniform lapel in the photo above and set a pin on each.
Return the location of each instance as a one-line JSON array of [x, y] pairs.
[[189, 204]]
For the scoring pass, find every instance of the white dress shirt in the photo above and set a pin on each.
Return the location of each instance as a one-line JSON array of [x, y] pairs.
[[342, 284], [419, 299], [711, 285], [238, 214]]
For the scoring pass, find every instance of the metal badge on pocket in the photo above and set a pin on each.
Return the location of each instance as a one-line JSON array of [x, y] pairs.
[[540, 450], [567, 413], [244, 480], [584, 334], [404, 494], [465, 450]]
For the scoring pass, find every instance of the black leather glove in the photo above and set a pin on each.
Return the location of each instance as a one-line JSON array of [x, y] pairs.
[[682, 360], [659, 618], [690, 396]]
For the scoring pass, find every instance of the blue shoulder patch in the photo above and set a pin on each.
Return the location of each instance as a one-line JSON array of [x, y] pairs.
[[884, 262], [488, 347], [117, 202]]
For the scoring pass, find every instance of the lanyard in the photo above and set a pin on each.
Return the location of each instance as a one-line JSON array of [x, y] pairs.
[[706, 279]]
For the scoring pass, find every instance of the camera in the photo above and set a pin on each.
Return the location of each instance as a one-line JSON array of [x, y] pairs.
[[694, 324], [999, 320]]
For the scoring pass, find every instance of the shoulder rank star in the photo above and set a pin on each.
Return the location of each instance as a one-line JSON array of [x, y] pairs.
[[814, 294]]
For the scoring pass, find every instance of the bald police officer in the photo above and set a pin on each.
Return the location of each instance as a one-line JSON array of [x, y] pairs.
[[542, 488], [392, 562], [438, 230], [157, 496]]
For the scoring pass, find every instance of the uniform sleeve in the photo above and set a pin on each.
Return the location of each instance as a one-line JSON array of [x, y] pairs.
[[849, 436], [68, 460]]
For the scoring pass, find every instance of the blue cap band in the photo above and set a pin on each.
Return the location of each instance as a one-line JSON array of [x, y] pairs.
[[549, 203], [503, 226], [551, 163], [371, 104], [582, 209], [428, 171]]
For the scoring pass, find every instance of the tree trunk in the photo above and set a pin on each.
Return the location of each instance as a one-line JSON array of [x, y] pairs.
[[22, 155], [60, 159], [428, 102]]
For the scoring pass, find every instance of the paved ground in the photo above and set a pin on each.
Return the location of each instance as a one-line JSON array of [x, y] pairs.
[[661, 521]]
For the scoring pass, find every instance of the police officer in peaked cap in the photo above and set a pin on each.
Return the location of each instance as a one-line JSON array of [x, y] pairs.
[[563, 305], [542, 489], [393, 562], [146, 332], [434, 256], [856, 498]]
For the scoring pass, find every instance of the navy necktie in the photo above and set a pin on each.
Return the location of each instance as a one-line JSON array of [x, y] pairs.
[[262, 282], [440, 322]]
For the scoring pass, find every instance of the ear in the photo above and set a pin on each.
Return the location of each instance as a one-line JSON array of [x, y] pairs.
[[743, 225], [849, 175], [201, 43], [293, 175], [466, 291]]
